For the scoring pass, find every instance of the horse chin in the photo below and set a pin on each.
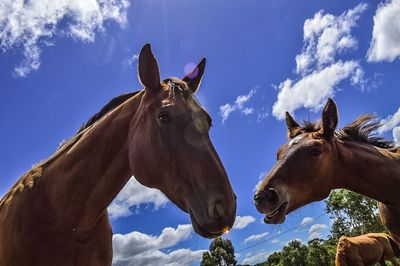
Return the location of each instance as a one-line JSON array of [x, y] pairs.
[[202, 231], [278, 215]]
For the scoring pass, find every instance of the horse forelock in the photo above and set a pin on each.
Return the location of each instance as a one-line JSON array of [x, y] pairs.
[[176, 86]]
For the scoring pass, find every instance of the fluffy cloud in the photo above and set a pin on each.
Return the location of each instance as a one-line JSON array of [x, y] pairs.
[[325, 36], [33, 24], [316, 231], [307, 220], [386, 33], [132, 196], [391, 123], [243, 221], [255, 237], [319, 71], [396, 136], [257, 258], [130, 61], [137, 248], [312, 90], [238, 105]]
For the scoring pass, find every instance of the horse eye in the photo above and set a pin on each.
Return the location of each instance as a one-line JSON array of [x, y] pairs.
[[164, 116]]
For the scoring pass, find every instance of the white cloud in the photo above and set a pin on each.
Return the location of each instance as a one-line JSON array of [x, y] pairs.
[[243, 221], [248, 111], [312, 90], [137, 248], [326, 35], [316, 231], [307, 220], [390, 122], [257, 258], [32, 25], [132, 196], [386, 33], [255, 237], [396, 136], [128, 62], [238, 105], [319, 71], [274, 241]]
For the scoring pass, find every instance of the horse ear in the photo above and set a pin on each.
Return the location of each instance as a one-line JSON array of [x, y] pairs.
[[149, 74], [291, 125], [329, 119], [193, 79]]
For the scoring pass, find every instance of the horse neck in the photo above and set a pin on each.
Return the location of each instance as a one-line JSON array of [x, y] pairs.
[[84, 179], [367, 170]]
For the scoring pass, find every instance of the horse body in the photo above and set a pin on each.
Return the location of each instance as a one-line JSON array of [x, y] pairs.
[[367, 249], [319, 158], [56, 214]]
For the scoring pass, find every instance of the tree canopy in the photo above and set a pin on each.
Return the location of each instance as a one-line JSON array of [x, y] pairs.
[[221, 252]]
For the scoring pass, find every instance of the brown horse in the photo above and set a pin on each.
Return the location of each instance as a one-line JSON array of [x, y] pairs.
[[56, 214], [367, 249], [319, 158]]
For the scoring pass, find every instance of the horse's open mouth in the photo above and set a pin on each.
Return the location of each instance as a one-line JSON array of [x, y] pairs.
[[278, 215], [200, 230]]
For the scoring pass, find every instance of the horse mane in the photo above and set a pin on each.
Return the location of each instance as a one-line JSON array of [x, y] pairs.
[[360, 130], [111, 105], [28, 178]]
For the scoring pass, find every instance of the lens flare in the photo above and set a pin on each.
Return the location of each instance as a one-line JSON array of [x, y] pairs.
[[226, 230]]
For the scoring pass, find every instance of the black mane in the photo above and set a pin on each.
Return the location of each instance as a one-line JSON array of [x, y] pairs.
[[111, 105]]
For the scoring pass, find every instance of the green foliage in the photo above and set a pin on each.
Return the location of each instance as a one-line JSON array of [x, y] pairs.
[[294, 253], [318, 253], [273, 260], [353, 214], [221, 253]]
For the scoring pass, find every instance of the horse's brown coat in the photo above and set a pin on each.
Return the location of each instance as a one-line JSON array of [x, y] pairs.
[[56, 214], [367, 249], [318, 159]]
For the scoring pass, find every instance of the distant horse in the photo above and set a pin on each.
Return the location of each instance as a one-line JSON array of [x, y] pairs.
[[56, 214], [319, 158], [367, 249]]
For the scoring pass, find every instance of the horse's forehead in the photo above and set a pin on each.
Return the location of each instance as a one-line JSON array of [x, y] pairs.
[[296, 140], [175, 82]]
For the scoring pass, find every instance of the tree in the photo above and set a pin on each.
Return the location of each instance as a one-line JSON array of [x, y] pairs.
[[353, 214], [273, 260], [318, 254], [294, 254], [221, 253]]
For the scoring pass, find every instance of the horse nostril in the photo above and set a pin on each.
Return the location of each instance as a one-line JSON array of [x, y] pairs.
[[217, 210], [272, 195], [269, 195]]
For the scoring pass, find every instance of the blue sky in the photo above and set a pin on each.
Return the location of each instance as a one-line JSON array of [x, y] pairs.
[[60, 65]]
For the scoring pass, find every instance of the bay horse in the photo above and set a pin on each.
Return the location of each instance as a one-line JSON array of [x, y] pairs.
[[319, 158], [56, 214], [367, 249]]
